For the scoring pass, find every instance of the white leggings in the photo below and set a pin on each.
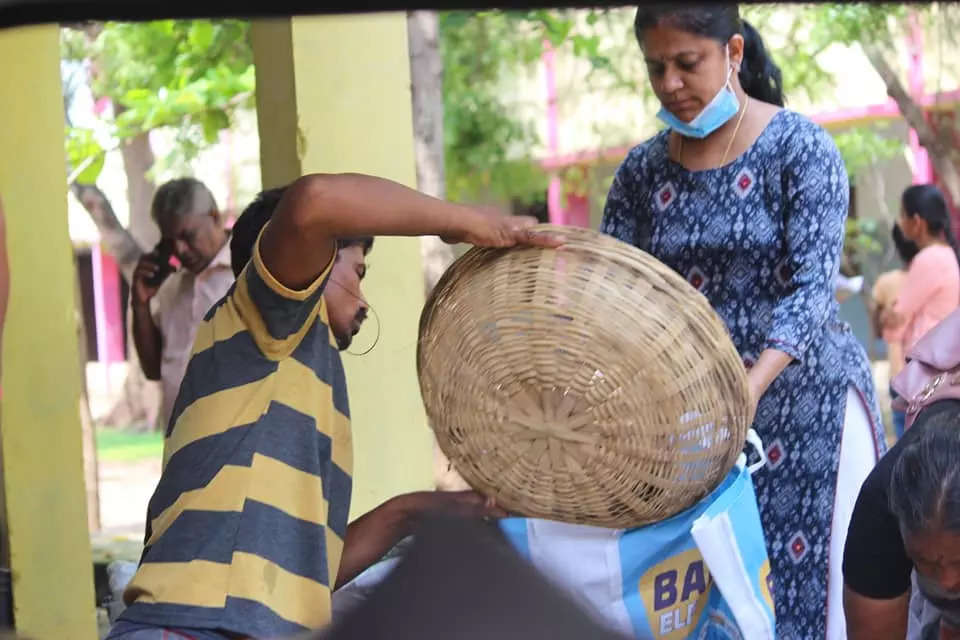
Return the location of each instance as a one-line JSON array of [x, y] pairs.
[[858, 455]]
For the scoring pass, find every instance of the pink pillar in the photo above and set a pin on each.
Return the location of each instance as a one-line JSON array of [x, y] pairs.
[[578, 211], [107, 311], [922, 170], [555, 191], [555, 211]]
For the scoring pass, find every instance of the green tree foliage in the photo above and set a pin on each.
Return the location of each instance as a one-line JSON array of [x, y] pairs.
[[863, 147], [786, 29], [191, 75], [797, 35], [186, 75], [487, 145]]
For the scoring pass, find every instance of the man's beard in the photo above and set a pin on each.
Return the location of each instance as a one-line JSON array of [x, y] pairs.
[[344, 342]]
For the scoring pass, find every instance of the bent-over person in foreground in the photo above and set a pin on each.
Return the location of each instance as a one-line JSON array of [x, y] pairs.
[[247, 530]]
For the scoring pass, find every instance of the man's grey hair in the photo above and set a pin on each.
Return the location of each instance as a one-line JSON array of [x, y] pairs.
[[180, 198]]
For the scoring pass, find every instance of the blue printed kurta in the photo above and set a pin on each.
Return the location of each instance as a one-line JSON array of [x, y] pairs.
[[761, 238]]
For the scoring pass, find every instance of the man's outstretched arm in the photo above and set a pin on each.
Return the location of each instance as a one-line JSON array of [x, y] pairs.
[[319, 208]]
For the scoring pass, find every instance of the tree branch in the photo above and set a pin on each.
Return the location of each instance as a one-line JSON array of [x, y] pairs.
[[119, 243], [913, 113]]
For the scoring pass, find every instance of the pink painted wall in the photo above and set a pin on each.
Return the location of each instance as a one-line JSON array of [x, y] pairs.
[[107, 308], [577, 213]]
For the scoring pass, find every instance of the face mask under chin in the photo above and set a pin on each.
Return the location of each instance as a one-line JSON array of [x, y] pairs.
[[717, 113]]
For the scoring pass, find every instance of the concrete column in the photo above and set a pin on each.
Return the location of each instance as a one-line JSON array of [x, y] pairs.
[[333, 95], [42, 456]]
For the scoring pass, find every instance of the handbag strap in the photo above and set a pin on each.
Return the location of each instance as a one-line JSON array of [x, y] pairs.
[[921, 398], [753, 439]]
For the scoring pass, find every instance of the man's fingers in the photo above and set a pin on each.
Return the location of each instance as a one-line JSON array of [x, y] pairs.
[[546, 240], [497, 512], [486, 507], [480, 511], [524, 222], [470, 504]]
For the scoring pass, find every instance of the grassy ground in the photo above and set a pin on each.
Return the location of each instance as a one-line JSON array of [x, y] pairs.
[[115, 445]]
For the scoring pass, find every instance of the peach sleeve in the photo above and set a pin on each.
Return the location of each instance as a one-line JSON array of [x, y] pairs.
[[921, 284]]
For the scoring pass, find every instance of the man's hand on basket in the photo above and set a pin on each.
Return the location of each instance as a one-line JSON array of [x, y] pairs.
[[490, 227], [460, 504], [371, 535]]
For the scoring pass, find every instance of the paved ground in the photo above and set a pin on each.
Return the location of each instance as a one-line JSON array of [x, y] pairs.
[[125, 490]]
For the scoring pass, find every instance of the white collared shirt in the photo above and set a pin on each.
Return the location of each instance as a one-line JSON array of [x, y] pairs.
[[179, 306]]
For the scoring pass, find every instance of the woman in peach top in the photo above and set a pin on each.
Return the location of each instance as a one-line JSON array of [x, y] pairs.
[[931, 289]]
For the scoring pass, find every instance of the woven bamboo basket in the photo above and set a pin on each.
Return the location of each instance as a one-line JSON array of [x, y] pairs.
[[588, 384]]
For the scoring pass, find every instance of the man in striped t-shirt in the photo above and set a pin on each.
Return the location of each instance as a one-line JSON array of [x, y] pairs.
[[247, 530]]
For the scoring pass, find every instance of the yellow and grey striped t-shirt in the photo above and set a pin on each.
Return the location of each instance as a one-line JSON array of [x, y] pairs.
[[246, 527]]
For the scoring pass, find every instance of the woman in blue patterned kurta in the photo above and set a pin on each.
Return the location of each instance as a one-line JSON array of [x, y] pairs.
[[748, 202]]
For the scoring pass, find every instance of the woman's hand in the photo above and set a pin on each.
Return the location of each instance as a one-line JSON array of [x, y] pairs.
[[761, 375], [756, 389]]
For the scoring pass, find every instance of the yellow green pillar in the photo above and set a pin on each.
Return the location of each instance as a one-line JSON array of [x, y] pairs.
[[50, 554], [333, 95]]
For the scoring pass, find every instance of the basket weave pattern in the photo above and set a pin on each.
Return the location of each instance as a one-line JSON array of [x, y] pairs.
[[587, 384]]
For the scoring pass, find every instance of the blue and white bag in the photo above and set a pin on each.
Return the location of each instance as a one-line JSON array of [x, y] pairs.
[[703, 574]]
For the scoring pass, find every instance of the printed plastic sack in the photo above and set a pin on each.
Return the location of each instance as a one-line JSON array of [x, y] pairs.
[[703, 574]]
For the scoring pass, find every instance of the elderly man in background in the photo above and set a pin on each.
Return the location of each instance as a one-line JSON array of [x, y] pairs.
[[169, 303]]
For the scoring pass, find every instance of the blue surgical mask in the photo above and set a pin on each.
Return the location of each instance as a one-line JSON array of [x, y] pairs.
[[713, 116]]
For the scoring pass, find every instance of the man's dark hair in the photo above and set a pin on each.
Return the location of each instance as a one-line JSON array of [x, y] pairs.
[[248, 226], [181, 197]]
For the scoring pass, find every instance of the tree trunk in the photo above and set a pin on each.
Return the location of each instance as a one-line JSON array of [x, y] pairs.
[[426, 77], [137, 161], [88, 438], [140, 404], [125, 244], [939, 147]]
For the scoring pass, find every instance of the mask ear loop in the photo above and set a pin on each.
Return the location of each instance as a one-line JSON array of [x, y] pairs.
[[730, 66], [734, 67], [375, 316], [375, 340]]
